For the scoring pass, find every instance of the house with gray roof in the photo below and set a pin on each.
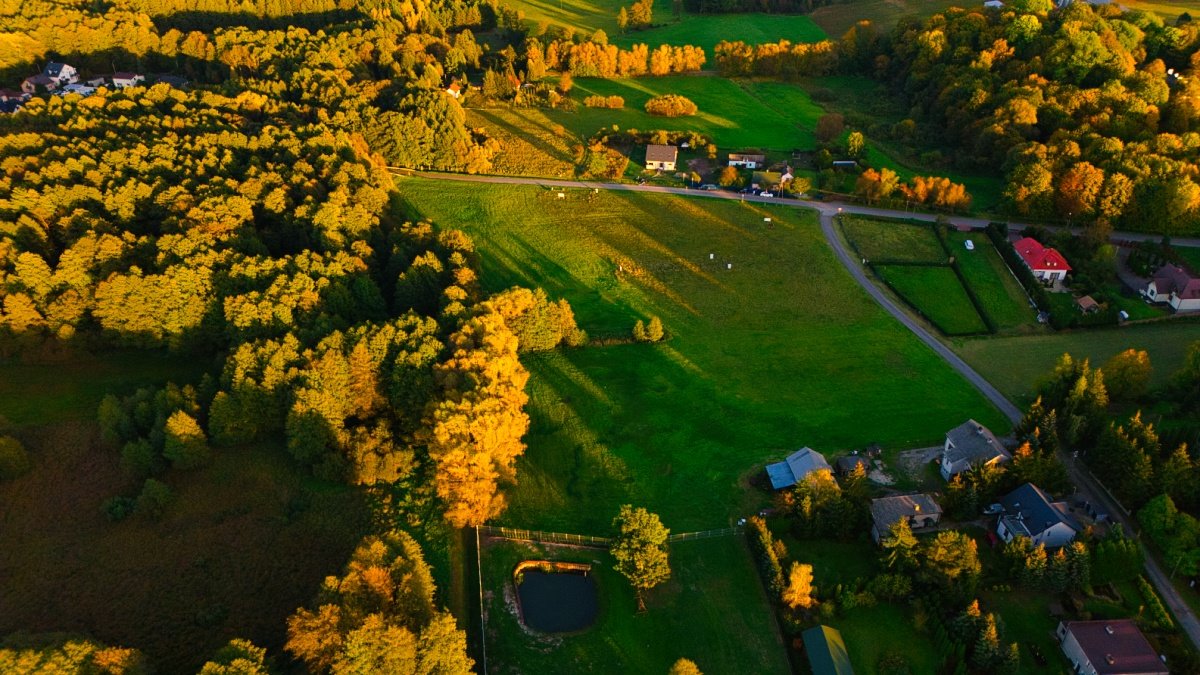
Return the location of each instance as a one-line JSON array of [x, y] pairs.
[[1029, 512], [1108, 648], [968, 445], [846, 465], [920, 510], [661, 157], [797, 465], [826, 651]]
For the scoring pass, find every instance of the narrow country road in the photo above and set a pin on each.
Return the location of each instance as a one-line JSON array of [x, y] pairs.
[[1080, 476], [825, 208]]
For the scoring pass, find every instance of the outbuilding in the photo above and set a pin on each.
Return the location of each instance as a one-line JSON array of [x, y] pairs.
[[661, 157]]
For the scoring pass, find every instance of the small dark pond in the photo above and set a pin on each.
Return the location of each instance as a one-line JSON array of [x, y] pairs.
[[558, 602]]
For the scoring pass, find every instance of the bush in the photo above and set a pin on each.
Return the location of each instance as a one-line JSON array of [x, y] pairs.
[[14, 459], [654, 330], [119, 508], [671, 105], [1157, 614], [762, 543], [614, 102], [153, 501]]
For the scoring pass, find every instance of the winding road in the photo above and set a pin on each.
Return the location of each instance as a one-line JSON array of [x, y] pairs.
[[1086, 484]]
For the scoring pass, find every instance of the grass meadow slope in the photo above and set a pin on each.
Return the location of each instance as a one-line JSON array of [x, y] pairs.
[[781, 351]]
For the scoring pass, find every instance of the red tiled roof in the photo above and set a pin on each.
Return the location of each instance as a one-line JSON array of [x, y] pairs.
[[453, 87], [1039, 257]]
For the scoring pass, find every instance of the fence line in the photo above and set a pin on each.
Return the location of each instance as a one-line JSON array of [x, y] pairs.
[[588, 540]]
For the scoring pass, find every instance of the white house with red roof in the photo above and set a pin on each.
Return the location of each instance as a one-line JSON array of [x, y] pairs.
[[1046, 264], [1175, 286]]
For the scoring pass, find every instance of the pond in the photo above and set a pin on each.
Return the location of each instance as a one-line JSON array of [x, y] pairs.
[[557, 602]]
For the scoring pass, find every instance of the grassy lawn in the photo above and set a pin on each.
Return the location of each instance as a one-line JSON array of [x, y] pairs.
[[838, 18], [531, 144], [713, 610], [937, 292], [1191, 256], [730, 118], [1015, 364], [44, 393], [706, 30], [874, 632], [1027, 621], [998, 291], [783, 350], [891, 240]]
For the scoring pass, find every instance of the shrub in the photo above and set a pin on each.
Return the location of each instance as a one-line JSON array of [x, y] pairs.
[[654, 330], [119, 508], [639, 331], [185, 444], [14, 459], [671, 105], [762, 543], [615, 102], [1157, 614], [154, 499]]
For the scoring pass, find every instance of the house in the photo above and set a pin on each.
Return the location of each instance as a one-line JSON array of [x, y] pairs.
[[1047, 264], [1087, 304], [1108, 648], [846, 465], [971, 444], [661, 157], [81, 89], [123, 80], [1029, 512], [39, 83], [1176, 287], [12, 95], [96, 82], [920, 510], [455, 89], [797, 465], [61, 72], [747, 161], [826, 651]]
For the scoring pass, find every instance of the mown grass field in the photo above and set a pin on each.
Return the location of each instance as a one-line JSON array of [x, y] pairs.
[[588, 16], [937, 292], [998, 291], [730, 118], [783, 350], [247, 540], [1015, 364], [713, 610], [880, 240], [1191, 256]]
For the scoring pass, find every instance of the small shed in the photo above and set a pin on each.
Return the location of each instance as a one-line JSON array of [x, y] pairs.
[[826, 651], [747, 160], [1087, 304], [846, 465]]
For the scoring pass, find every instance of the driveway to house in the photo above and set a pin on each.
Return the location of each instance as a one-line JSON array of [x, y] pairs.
[[1080, 476]]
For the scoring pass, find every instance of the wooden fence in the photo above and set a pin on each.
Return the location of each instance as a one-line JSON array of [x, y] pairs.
[[588, 540]]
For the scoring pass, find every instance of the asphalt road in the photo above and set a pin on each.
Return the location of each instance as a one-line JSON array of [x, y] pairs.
[[1080, 476], [825, 208]]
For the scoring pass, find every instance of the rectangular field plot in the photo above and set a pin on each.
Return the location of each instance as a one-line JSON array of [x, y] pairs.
[[937, 293], [998, 292], [880, 240]]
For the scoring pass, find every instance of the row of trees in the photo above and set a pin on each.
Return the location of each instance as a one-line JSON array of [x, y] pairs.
[[884, 186], [783, 59]]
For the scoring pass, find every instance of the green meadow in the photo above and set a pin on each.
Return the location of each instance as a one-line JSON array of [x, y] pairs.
[[780, 351]]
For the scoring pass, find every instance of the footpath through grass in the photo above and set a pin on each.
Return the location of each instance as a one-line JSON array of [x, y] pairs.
[[781, 351], [713, 610]]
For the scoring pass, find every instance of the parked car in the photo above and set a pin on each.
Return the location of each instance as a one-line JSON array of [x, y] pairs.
[[970, 245], [766, 194], [710, 186], [993, 510]]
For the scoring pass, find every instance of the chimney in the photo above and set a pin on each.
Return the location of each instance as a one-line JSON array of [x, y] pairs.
[[1108, 629], [1110, 659], [917, 508]]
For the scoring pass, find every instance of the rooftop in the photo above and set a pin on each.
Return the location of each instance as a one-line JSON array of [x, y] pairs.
[[1177, 280], [661, 153], [1029, 511], [887, 510], [797, 465], [1116, 647], [1039, 257], [971, 441], [826, 651]]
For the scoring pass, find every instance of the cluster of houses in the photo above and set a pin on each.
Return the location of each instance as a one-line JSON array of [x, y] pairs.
[[60, 79], [1092, 647]]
